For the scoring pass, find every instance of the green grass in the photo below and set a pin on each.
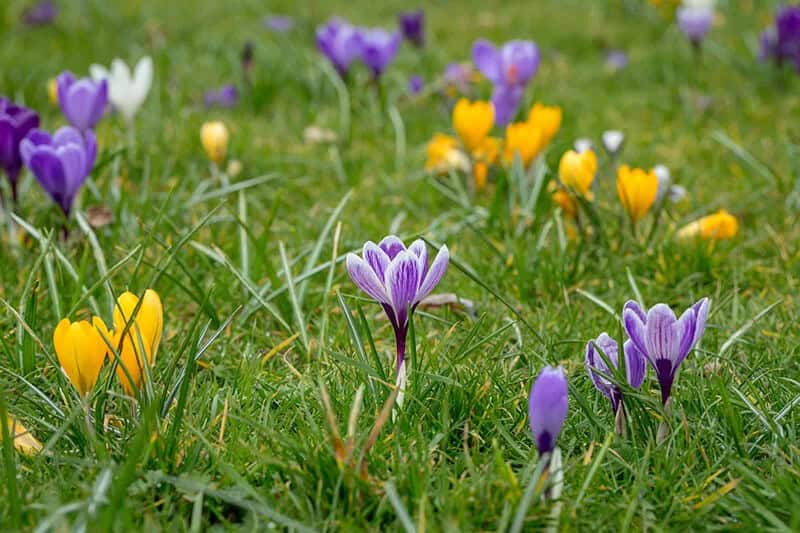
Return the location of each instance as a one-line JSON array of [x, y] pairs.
[[228, 440]]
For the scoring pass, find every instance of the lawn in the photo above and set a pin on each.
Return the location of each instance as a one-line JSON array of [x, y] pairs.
[[272, 400]]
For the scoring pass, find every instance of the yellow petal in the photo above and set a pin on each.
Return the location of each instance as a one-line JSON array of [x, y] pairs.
[[144, 334], [637, 190], [24, 441], [547, 119], [472, 121], [81, 352], [523, 139]]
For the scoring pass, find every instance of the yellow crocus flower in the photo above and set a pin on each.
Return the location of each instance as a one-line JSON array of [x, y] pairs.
[[720, 225], [523, 138], [637, 190], [144, 333], [576, 171], [547, 118], [214, 136], [443, 155], [81, 351], [473, 121]]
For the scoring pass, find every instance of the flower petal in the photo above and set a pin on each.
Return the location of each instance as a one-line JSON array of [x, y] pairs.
[[402, 281], [487, 60], [435, 274], [376, 258], [661, 340], [634, 327], [635, 365], [364, 277], [547, 407], [392, 245]]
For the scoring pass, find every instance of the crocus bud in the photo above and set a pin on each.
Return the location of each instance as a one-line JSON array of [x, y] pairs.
[[140, 345], [81, 350], [215, 137], [720, 225], [523, 139], [472, 121], [583, 144], [547, 118], [637, 190], [577, 170], [547, 407], [613, 141]]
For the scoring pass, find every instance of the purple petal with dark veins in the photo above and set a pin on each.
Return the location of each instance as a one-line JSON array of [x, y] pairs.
[[434, 274], [364, 277]]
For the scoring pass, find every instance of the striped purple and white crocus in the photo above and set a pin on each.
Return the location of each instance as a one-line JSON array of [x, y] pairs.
[[663, 339], [398, 278], [635, 366]]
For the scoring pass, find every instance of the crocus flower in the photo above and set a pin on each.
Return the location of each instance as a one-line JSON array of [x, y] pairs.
[[582, 144], [142, 337], [278, 23], [547, 119], [616, 60], [457, 76], [720, 225], [613, 141], [782, 42], [664, 340], [126, 91], [15, 123], [340, 42], [635, 366], [214, 136], [226, 96], [398, 278], [443, 155], [415, 84], [547, 407], [523, 139], [576, 172], [472, 121], [81, 350], [82, 101], [40, 14], [637, 190], [379, 47], [61, 162], [513, 64], [694, 19], [412, 26]]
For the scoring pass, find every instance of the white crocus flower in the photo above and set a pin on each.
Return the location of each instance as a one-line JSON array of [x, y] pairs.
[[127, 92], [612, 141]]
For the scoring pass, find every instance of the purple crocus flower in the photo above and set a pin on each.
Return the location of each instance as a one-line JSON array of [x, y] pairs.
[[340, 42], [547, 407], [635, 366], [782, 43], [694, 22], [40, 14], [616, 60], [412, 26], [15, 123], [61, 162], [664, 340], [415, 84], [509, 68], [227, 96], [398, 278], [379, 48], [515, 63], [82, 101], [278, 23], [506, 99]]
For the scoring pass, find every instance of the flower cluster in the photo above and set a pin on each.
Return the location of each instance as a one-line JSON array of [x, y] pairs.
[[342, 43], [475, 150], [82, 347]]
